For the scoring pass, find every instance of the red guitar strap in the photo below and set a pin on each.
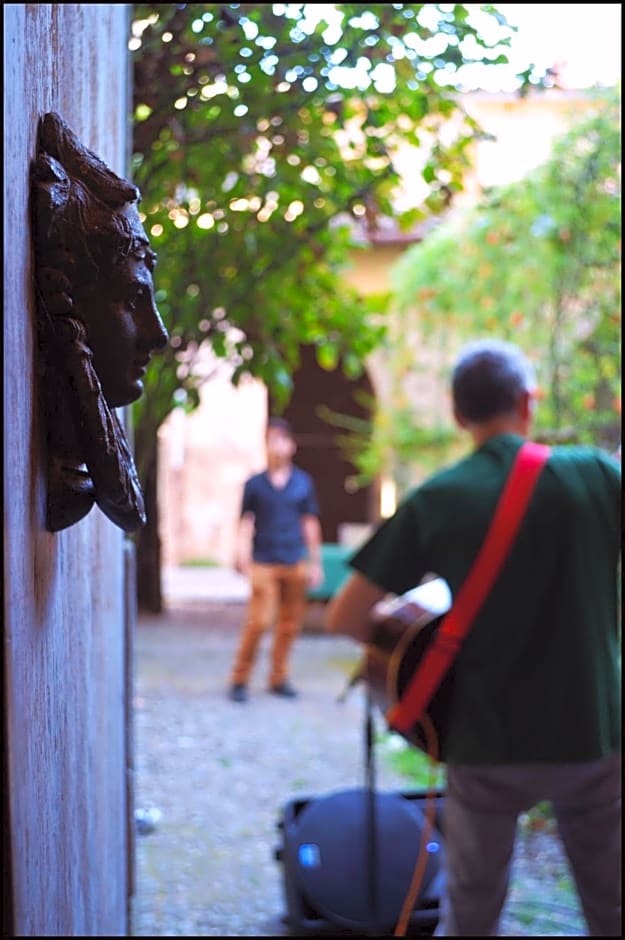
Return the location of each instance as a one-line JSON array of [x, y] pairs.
[[489, 561]]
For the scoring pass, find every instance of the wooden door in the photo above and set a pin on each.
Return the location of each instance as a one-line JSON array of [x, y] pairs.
[[318, 450]]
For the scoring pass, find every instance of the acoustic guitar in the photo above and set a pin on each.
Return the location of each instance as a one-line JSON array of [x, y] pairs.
[[406, 627]]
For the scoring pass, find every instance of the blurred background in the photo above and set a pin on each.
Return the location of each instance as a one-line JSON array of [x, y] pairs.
[[339, 200]]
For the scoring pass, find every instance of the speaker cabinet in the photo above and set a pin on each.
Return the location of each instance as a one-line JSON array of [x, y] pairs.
[[348, 860]]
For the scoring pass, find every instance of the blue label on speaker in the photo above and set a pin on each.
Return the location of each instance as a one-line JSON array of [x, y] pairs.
[[308, 854], [432, 847]]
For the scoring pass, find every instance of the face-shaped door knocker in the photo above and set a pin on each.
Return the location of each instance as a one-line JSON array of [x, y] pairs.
[[98, 326]]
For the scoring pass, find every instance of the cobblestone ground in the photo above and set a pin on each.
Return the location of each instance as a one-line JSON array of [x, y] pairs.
[[222, 773]]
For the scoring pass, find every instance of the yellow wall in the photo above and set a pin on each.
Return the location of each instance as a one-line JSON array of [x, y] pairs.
[[370, 268]]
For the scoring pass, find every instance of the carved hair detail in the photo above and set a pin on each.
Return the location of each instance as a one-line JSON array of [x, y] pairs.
[[79, 201]]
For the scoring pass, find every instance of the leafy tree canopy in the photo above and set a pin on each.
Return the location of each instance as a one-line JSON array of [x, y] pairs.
[[262, 133], [537, 262]]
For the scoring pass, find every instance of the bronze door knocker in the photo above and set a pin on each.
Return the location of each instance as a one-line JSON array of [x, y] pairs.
[[98, 326]]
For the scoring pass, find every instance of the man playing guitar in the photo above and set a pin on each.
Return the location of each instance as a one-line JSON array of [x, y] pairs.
[[534, 712]]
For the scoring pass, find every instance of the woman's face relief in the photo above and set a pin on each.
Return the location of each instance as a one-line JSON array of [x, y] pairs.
[[124, 327]]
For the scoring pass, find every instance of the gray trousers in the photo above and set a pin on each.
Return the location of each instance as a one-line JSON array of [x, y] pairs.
[[480, 813]]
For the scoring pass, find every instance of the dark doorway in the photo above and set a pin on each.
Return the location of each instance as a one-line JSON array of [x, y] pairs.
[[317, 449]]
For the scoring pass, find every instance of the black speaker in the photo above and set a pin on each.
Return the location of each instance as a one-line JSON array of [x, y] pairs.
[[348, 860]]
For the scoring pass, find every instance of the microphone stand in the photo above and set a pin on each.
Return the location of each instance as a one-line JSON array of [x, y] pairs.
[[370, 804]]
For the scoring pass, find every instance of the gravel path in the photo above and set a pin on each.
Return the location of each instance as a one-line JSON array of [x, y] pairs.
[[221, 774]]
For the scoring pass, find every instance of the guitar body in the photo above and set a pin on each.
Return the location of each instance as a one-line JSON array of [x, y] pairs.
[[388, 667]]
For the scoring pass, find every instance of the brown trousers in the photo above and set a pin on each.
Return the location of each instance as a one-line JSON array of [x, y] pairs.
[[277, 591]]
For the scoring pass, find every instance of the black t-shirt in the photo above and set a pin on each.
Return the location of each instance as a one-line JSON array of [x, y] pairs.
[[278, 511]]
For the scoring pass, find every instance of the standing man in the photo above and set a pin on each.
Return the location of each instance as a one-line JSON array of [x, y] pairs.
[[279, 549], [535, 712]]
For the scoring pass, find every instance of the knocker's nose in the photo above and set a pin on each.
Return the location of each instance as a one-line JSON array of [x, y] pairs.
[[159, 337]]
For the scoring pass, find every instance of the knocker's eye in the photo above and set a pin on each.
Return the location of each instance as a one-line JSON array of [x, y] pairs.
[[145, 253]]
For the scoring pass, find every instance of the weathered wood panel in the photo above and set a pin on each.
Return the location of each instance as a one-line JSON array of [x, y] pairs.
[[65, 614]]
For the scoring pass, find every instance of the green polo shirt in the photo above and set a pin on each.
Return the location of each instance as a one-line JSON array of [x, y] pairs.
[[538, 675]]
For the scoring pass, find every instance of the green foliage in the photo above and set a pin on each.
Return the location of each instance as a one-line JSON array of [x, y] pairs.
[[538, 817], [411, 762], [255, 161], [388, 443], [536, 262]]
